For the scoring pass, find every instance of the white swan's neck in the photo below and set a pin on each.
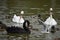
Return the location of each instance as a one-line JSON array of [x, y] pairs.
[[50, 14]]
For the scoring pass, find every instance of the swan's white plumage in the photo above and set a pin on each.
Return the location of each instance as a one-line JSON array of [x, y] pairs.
[[17, 19], [50, 21], [21, 20], [14, 19]]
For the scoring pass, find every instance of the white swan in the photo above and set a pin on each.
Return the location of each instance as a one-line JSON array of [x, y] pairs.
[[50, 21]]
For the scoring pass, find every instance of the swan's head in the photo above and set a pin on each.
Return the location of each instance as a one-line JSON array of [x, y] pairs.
[[22, 12], [51, 9]]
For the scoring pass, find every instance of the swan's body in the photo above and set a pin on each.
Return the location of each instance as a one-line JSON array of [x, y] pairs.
[[49, 23], [19, 30], [17, 19]]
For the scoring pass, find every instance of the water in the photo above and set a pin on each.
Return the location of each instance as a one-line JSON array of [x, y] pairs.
[[35, 34]]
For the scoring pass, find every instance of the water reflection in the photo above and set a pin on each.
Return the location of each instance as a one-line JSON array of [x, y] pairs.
[[14, 37], [19, 37]]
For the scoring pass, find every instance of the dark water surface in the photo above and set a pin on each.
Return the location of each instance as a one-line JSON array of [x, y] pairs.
[[35, 34], [31, 6]]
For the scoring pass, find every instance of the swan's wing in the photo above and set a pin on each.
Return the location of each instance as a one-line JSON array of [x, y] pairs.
[[50, 21]]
